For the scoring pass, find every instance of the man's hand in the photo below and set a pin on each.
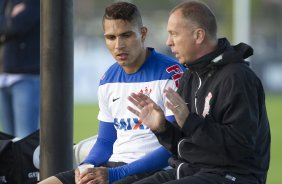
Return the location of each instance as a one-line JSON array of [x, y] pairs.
[[18, 9], [150, 113], [177, 105], [97, 175]]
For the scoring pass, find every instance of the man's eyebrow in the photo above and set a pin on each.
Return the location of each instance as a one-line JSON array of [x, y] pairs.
[[108, 34], [127, 32], [118, 34]]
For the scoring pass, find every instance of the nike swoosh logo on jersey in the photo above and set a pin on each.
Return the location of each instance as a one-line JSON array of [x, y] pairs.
[[114, 99]]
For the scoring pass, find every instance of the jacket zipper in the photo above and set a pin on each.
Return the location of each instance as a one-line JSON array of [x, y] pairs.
[[178, 147], [196, 96], [179, 154], [178, 171], [183, 140]]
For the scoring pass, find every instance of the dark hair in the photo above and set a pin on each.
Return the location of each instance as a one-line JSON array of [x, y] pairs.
[[124, 11], [200, 14]]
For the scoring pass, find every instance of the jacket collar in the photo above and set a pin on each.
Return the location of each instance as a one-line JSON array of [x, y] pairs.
[[224, 54], [206, 59]]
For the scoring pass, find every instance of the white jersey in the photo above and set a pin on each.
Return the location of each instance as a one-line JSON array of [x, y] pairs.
[[134, 139]]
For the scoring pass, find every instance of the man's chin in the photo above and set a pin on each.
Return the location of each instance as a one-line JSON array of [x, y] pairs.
[[183, 62], [121, 63]]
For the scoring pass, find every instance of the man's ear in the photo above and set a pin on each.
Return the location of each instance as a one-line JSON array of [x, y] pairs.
[[144, 31], [199, 35]]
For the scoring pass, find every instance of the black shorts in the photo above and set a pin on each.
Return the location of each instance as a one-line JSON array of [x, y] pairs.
[[169, 177], [68, 177]]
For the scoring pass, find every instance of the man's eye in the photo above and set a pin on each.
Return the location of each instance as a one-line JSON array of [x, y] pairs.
[[127, 35], [110, 37]]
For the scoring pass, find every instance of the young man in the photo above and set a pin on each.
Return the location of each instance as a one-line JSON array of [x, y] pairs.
[[223, 133], [125, 146]]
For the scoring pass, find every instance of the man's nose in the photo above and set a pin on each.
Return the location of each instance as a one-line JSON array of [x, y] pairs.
[[169, 41], [119, 43]]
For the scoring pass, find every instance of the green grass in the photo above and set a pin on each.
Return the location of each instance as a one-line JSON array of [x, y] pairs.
[[86, 125], [85, 121], [274, 104]]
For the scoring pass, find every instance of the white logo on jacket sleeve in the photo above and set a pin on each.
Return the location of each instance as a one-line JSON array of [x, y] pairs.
[[207, 105]]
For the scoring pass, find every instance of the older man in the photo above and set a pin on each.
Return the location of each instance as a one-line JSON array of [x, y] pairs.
[[222, 133]]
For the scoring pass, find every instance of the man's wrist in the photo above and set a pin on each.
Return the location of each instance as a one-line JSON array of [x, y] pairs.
[[84, 167], [161, 128]]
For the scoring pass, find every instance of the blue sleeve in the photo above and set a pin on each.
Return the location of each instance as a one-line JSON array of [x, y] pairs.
[[156, 160], [170, 118], [103, 148]]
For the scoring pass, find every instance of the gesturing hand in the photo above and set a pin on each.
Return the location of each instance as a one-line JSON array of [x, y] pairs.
[[150, 113], [177, 105]]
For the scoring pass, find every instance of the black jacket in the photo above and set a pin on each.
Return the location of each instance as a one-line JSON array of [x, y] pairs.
[[20, 37], [227, 130]]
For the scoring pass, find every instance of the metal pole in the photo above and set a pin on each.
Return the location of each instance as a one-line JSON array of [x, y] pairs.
[[56, 116], [241, 16]]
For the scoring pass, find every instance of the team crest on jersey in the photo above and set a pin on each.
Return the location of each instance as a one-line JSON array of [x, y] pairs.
[[146, 91], [207, 105]]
